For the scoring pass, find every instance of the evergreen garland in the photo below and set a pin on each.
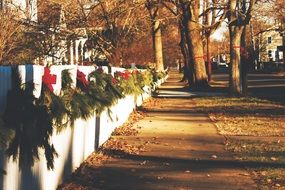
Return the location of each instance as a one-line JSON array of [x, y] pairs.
[[36, 118], [55, 106], [157, 75], [33, 126], [75, 100], [6, 135], [133, 83], [142, 79], [103, 88], [126, 82]]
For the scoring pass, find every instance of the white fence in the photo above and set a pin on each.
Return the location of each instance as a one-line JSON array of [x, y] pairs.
[[73, 145]]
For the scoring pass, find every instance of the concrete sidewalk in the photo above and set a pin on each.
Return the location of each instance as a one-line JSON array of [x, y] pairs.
[[182, 150]]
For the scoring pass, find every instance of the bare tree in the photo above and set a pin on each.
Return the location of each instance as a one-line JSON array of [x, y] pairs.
[[191, 28], [11, 36], [238, 16], [153, 9]]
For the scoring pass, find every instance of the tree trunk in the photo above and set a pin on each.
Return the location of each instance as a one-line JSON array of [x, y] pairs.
[[207, 33], [196, 49], [157, 45], [244, 63], [188, 65], [209, 62], [195, 44], [235, 62]]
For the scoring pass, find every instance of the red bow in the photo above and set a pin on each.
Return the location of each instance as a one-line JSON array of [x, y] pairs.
[[81, 77], [124, 75], [114, 81], [48, 79], [100, 70]]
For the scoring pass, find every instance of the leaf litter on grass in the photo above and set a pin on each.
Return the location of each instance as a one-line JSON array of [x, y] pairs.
[[251, 127]]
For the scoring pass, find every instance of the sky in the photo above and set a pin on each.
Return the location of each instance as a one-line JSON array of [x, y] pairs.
[[219, 34]]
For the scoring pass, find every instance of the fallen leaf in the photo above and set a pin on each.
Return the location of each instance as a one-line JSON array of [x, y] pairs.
[[263, 173], [143, 163], [159, 178], [245, 174], [214, 156]]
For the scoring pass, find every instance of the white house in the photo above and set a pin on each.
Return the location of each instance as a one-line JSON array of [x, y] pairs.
[[268, 42], [68, 45]]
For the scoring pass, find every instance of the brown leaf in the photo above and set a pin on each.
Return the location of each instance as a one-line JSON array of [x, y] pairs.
[[143, 163], [214, 156]]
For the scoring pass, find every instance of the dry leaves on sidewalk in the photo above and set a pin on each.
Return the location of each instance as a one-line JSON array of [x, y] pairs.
[[119, 147], [128, 129]]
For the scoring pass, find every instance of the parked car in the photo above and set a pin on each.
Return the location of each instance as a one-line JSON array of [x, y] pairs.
[[223, 64]]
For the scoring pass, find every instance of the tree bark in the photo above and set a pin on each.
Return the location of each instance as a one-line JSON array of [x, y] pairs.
[[188, 64], [235, 66], [207, 33], [196, 49], [193, 36], [209, 62], [239, 17], [244, 63], [157, 45]]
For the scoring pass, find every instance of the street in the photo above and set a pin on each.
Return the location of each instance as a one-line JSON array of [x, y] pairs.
[[264, 85]]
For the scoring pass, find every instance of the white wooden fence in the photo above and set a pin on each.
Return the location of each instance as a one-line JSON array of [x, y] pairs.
[[73, 145]]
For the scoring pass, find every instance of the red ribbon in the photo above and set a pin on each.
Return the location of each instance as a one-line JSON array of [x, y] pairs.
[[124, 75], [243, 51], [100, 70], [81, 77], [114, 81], [48, 79], [199, 57]]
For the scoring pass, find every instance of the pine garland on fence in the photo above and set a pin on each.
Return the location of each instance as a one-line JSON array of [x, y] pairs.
[[33, 125], [36, 118], [6, 135], [104, 89], [75, 100]]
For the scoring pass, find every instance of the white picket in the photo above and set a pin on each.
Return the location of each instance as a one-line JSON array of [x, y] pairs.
[[72, 144]]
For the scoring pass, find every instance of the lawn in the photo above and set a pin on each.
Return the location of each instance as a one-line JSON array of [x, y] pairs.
[[255, 133]]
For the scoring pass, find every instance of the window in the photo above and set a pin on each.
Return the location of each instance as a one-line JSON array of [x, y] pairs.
[[269, 53], [277, 55], [269, 40]]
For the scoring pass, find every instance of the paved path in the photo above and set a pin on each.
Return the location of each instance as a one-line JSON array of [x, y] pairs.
[[182, 151]]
